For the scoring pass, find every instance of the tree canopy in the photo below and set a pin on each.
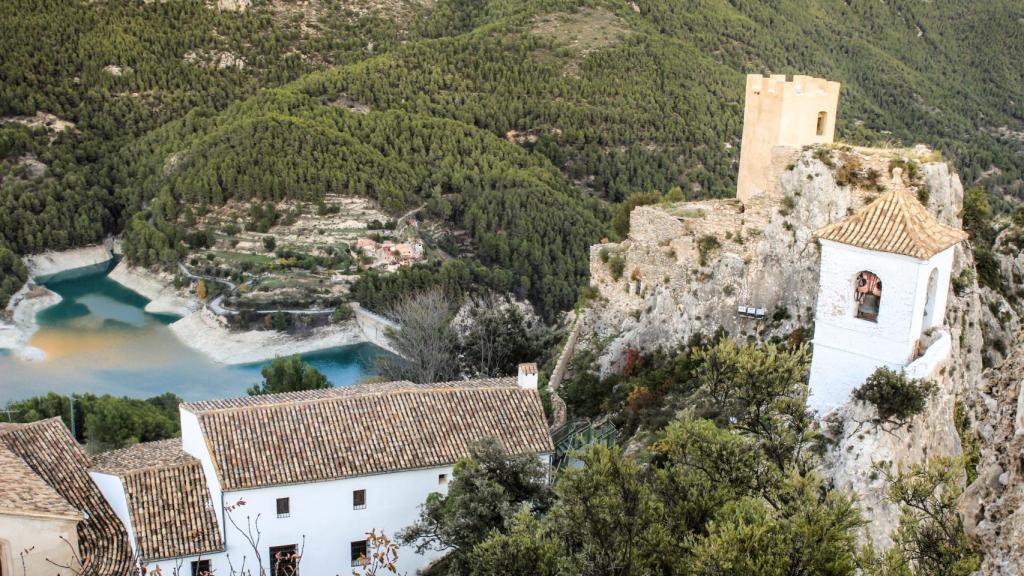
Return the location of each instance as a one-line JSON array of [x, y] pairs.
[[519, 123], [288, 374]]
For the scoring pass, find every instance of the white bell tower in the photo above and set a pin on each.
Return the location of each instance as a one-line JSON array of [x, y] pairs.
[[884, 280]]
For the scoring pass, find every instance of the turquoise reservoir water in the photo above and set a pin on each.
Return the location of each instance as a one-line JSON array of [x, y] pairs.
[[100, 340]]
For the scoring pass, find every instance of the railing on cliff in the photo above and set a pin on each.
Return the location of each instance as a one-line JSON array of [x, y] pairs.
[[578, 435]]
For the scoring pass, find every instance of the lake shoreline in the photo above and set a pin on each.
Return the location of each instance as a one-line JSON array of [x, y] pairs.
[[158, 288], [208, 333], [24, 306], [197, 328], [33, 298]]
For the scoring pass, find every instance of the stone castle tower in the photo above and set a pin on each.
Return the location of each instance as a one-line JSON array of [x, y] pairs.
[[778, 112]]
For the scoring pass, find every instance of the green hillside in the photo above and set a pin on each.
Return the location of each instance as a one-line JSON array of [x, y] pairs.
[[516, 121]]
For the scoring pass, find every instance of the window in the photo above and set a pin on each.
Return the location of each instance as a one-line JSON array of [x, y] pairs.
[[359, 499], [822, 118], [201, 568], [358, 551], [442, 479], [284, 560], [867, 293], [284, 507]]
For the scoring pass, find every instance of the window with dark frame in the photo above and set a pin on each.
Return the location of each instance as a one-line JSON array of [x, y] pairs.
[[822, 118], [201, 568], [284, 507], [284, 560], [358, 551], [442, 479], [358, 499]]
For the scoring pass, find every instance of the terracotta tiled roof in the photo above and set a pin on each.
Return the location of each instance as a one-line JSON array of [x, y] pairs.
[[49, 450], [168, 499], [366, 429], [23, 492], [140, 457], [896, 223]]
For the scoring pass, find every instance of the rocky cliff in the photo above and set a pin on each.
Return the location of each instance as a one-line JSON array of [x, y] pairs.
[[686, 268], [993, 505]]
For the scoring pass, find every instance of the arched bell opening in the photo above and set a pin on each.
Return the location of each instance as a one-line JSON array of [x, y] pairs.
[[867, 294]]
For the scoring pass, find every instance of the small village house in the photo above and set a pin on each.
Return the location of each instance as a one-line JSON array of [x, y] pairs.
[[281, 481]]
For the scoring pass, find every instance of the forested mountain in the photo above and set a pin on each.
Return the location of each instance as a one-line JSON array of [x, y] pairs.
[[517, 120]]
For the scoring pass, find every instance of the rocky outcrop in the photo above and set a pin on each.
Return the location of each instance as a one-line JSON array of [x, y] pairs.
[[686, 268], [209, 334], [157, 287], [859, 447], [46, 264], [993, 505], [233, 5]]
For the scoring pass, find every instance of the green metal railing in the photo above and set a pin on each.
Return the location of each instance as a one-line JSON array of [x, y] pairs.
[[577, 435]]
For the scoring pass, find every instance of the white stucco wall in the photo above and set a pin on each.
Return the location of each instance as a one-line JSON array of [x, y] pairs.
[[112, 489], [40, 538], [194, 442], [848, 349]]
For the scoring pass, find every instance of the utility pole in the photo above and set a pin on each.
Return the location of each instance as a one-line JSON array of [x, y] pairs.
[[71, 399]]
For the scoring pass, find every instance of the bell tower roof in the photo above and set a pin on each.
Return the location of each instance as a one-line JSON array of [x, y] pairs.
[[896, 223]]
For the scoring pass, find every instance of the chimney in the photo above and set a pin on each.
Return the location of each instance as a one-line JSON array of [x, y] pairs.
[[527, 377]]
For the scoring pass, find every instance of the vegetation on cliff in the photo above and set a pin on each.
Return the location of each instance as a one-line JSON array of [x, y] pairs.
[[721, 479]]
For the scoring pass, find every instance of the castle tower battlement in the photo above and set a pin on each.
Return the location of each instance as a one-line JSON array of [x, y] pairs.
[[782, 112]]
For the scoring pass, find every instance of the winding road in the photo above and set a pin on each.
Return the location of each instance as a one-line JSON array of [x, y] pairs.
[[217, 304]]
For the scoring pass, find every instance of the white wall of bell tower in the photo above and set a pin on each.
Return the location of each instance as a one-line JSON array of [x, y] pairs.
[[848, 348]]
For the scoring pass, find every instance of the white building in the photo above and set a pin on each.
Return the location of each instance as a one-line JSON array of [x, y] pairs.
[[884, 281], [258, 478], [33, 517], [52, 516]]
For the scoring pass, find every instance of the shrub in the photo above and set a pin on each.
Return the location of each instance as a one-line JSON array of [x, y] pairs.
[[987, 265], [288, 374], [675, 194], [788, 203], [962, 282], [269, 243], [923, 194], [896, 398], [617, 264], [620, 221], [706, 246], [342, 313], [849, 172], [824, 155]]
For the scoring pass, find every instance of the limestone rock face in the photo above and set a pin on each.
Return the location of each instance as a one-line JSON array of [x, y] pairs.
[[689, 266], [763, 254], [993, 505], [234, 5]]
